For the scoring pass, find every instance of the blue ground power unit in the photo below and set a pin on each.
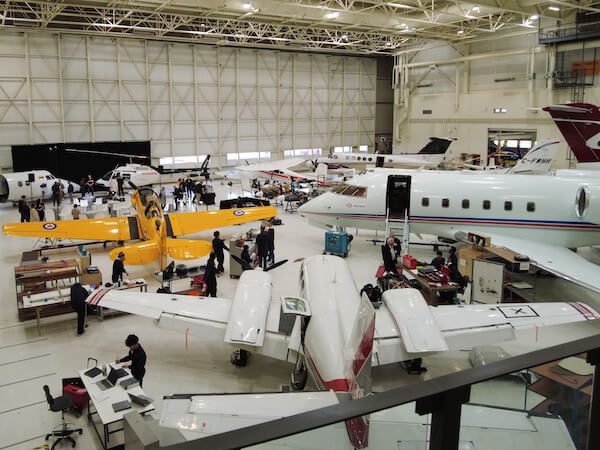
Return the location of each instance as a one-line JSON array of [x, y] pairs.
[[337, 243]]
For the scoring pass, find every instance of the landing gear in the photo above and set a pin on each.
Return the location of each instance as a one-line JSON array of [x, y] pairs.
[[413, 366], [239, 358], [299, 377]]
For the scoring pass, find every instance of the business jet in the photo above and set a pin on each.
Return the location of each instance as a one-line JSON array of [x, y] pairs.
[[335, 335], [431, 155], [32, 184], [156, 229], [541, 216]]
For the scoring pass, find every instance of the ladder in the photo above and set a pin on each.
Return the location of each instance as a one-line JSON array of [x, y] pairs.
[[400, 227]]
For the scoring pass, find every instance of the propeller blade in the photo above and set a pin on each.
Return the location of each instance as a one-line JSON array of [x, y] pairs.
[[241, 262], [276, 265]]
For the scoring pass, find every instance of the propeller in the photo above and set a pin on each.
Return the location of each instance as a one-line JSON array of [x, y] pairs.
[[133, 186], [247, 266]]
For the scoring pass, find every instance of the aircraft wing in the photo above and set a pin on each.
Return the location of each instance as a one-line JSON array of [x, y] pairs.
[[212, 414], [107, 229], [275, 165], [406, 326], [179, 224], [241, 322], [559, 261]]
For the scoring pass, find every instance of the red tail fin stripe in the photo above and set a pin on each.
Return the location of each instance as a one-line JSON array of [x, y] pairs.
[[584, 306], [364, 349], [101, 296], [580, 310]]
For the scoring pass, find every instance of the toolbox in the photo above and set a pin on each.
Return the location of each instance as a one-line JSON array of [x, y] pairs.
[[410, 262]]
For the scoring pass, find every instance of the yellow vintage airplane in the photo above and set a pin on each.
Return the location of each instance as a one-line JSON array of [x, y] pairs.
[[156, 229]]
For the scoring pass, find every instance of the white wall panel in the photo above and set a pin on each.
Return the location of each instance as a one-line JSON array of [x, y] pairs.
[[187, 99]]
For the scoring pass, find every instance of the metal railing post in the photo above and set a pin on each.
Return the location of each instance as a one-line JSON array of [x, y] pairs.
[[593, 437], [445, 412]]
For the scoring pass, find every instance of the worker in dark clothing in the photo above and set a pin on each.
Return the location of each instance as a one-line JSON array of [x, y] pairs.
[[439, 261], [78, 296], [55, 194], [210, 276], [120, 191], [218, 246], [390, 257], [137, 356], [271, 233], [25, 212], [119, 268], [22, 202], [262, 247], [245, 255], [452, 260]]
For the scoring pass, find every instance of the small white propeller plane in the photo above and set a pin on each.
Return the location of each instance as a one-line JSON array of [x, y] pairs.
[[330, 331]]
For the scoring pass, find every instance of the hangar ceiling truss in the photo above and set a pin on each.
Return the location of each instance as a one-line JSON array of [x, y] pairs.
[[344, 26]]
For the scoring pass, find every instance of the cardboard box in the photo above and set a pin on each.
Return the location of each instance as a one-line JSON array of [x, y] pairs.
[[465, 260], [91, 278]]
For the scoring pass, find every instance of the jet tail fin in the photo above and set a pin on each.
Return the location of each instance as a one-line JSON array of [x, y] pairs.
[[436, 146], [538, 159], [359, 350], [138, 254], [321, 171], [579, 123]]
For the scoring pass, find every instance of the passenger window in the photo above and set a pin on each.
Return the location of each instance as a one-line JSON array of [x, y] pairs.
[[20, 183], [507, 206], [425, 201], [445, 203], [487, 204], [530, 206], [465, 203]]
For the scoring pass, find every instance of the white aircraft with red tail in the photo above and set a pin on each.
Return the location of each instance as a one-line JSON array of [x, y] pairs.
[[331, 332]]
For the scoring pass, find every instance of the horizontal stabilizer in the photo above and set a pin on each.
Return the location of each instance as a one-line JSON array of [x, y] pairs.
[[212, 414], [184, 249], [416, 324], [138, 254]]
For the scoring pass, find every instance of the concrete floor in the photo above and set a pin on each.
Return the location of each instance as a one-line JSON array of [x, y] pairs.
[[30, 358]]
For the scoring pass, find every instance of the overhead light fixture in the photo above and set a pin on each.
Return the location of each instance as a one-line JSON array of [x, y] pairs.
[[400, 5], [247, 5], [344, 36], [333, 15], [500, 110], [202, 25], [554, 8], [404, 24], [460, 32], [388, 44], [534, 17], [475, 9]]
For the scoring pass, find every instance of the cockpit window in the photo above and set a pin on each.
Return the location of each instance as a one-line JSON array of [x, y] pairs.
[[350, 190], [107, 176]]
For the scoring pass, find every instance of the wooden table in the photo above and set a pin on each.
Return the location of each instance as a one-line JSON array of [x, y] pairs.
[[426, 285], [103, 408], [563, 387]]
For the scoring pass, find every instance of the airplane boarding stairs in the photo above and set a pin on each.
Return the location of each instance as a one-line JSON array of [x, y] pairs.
[[401, 227]]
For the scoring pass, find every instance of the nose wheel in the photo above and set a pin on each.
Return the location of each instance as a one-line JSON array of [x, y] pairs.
[[239, 358]]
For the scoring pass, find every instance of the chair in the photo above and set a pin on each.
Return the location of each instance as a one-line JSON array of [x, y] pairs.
[[65, 430]]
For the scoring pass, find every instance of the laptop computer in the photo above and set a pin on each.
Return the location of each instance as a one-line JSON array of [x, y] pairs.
[[141, 400], [121, 406], [108, 382], [129, 382], [93, 372]]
